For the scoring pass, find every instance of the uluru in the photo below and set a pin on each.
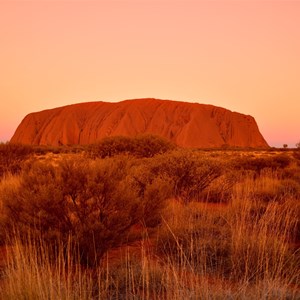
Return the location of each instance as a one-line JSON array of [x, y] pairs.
[[186, 124]]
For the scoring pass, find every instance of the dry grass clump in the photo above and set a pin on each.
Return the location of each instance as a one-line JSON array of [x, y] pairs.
[[260, 242], [195, 237], [34, 272]]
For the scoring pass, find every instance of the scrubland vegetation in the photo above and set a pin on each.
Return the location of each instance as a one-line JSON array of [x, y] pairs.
[[125, 220]]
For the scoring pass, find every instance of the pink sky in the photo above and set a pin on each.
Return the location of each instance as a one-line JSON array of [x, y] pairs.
[[241, 55]]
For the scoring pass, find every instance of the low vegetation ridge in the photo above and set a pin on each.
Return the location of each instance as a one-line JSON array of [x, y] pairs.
[[185, 124]]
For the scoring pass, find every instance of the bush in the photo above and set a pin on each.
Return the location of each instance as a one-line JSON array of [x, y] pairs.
[[12, 156], [139, 146], [96, 203], [152, 188], [260, 163], [189, 173]]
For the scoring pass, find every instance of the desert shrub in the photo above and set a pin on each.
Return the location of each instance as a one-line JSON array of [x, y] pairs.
[[96, 203], [37, 202], [152, 195], [151, 145], [152, 187], [140, 146], [111, 146], [259, 163], [189, 174], [12, 156]]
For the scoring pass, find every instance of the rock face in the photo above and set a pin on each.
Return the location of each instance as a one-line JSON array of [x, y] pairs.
[[186, 124]]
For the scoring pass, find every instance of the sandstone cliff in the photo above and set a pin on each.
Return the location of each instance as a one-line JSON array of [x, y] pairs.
[[186, 124]]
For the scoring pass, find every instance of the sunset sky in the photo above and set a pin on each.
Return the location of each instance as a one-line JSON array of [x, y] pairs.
[[241, 55]]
